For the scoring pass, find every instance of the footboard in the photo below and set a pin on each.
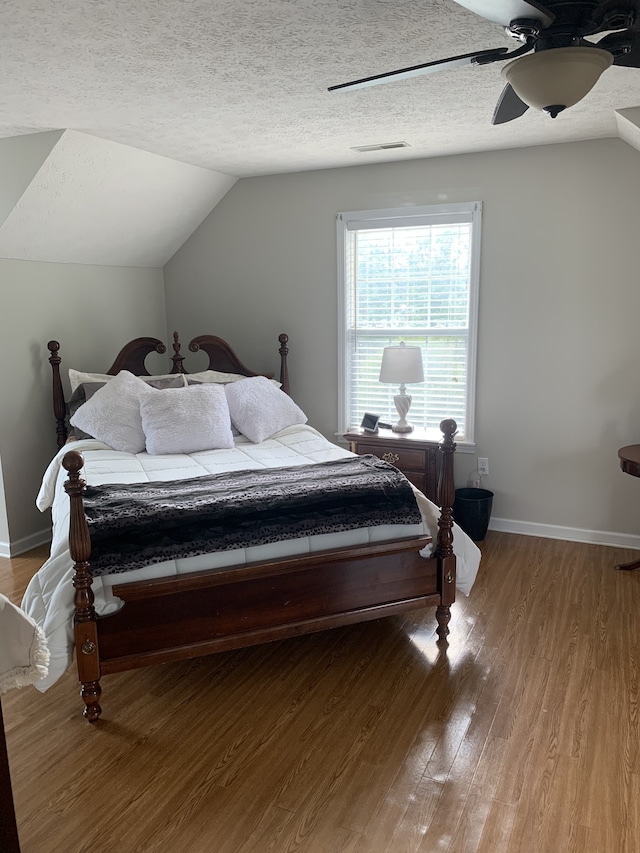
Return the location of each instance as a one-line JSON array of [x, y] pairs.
[[170, 619], [193, 615]]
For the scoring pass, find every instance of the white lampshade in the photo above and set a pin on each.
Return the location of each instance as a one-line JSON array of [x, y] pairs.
[[401, 365], [559, 77]]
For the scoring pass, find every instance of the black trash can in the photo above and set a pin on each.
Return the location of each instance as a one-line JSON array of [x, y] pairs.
[[472, 511]]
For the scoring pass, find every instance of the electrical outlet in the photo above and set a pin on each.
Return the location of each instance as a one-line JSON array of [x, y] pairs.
[[483, 466]]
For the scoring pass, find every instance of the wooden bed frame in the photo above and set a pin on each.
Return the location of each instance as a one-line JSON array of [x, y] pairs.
[[171, 619]]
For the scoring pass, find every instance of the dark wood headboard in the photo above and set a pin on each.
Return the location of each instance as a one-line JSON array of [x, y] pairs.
[[132, 357]]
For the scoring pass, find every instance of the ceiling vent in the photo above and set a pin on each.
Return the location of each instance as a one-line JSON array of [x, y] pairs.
[[383, 146]]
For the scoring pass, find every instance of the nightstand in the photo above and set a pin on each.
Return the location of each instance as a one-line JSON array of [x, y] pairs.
[[415, 453]]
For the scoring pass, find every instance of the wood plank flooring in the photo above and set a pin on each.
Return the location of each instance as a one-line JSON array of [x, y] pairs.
[[523, 736]]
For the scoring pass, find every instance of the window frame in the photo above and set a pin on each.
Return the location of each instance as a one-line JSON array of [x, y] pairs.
[[426, 214]]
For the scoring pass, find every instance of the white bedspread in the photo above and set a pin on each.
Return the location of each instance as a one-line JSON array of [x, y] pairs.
[[24, 657], [49, 596]]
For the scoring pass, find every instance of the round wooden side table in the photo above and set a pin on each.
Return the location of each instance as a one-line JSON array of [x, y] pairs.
[[630, 463]]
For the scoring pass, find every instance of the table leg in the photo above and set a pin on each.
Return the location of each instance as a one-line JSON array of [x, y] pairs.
[[629, 567], [8, 828]]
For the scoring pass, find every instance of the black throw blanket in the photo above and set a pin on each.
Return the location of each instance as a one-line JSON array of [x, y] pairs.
[[137, 524]]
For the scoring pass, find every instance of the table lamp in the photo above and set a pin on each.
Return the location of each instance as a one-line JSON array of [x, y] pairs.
[[401, 365]]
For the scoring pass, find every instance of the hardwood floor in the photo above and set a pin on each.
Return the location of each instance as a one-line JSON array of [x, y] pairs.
[[524, 735]]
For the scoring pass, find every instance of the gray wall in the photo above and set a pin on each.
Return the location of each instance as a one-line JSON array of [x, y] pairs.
[[559, 301], [92, 311]]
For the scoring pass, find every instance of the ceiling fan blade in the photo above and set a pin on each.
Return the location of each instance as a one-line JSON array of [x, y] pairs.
[[426, 68], [625, 47], [509, 106], [505, 11]]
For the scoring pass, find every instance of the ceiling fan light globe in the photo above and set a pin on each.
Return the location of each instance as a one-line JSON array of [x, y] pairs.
[[556, 78]]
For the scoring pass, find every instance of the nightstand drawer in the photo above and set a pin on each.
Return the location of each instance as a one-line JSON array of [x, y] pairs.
[[402, 458], [415, 454], [420, 482]]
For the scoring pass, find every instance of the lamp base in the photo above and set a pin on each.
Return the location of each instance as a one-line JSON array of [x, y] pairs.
[[403, 402]]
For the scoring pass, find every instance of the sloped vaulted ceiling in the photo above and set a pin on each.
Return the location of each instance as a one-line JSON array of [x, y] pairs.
[[69, 197], [628, 123]]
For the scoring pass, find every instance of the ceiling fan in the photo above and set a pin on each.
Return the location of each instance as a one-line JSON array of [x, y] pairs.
[[563, 67]]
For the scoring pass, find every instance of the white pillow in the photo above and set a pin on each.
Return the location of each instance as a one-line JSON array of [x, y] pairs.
[[77, 377], [259, 409], [220, 377], [185, 420], [112, 415]]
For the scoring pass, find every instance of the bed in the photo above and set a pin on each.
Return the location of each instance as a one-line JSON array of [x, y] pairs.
[[204, 602]]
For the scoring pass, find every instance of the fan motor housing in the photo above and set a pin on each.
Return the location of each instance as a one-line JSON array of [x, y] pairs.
[[576, 20]]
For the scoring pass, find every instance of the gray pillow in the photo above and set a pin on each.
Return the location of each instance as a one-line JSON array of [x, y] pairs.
[[178, 380]]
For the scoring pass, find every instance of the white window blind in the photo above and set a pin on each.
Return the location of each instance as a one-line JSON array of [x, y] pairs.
[[410, 275]]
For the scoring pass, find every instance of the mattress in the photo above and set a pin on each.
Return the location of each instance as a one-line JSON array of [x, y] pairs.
[[49, 596]]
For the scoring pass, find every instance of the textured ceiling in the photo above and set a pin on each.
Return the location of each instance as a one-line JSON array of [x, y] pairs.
[[240, 86]]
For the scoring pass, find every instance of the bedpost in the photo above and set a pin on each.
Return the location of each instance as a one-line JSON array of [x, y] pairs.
[[446, 495], [59, 405], [177, 358], [284, 370], [85, 627]]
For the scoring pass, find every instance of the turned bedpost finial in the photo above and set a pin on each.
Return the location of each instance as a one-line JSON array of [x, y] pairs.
[[177, 358], [73, 462], [284, 370], [59, 405], [448, 427], [86, 636]]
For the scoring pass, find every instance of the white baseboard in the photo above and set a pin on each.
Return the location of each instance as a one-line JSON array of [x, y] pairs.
[[570, 534], [14, 549]]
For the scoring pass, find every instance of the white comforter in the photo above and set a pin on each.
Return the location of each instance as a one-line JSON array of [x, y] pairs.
[[49, 596]]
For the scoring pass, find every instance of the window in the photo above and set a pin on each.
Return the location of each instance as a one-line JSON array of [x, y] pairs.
[[410, 274]]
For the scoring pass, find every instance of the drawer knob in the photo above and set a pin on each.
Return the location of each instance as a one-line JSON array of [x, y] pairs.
[[391, 458]]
